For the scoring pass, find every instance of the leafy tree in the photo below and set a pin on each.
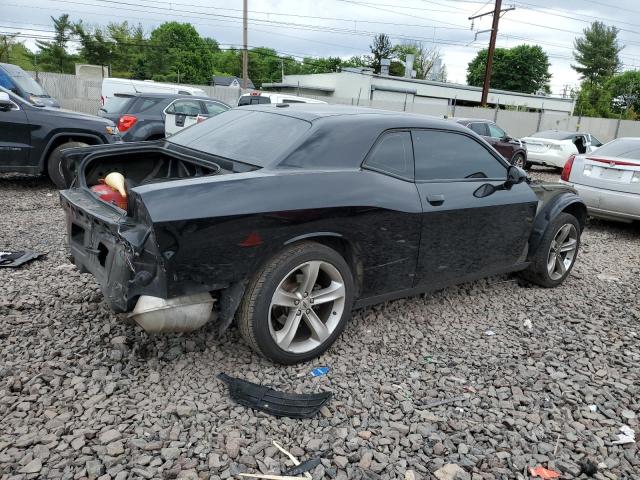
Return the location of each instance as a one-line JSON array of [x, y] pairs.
[[97, 48], [53, 55], [380, 48], [524, 68], [362, 61], [593, 100], [12, 51], [597, 53], [625, 93], [424, 58]]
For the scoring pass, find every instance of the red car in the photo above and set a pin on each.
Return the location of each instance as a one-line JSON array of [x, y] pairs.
[[512, 149]]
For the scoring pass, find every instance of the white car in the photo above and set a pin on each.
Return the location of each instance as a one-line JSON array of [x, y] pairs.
[[608, 180], [552, 148], [186, 112], [111, 86], [260, 98]]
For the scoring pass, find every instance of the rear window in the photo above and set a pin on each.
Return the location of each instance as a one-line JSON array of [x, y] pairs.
[[117, 104], [253, 100], [554, 135], [258, 138], [623, 148], [144, 104]]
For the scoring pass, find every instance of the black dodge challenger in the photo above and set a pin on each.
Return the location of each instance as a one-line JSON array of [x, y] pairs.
[[286, 217]]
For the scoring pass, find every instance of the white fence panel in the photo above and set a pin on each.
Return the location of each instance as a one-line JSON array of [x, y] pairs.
[[604, 129], [629, 128], [474, 112], [518, 124]]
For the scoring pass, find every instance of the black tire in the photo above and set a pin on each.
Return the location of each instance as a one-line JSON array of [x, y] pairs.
[[253, 314], [538, 272], [519, 161], [53, 163]]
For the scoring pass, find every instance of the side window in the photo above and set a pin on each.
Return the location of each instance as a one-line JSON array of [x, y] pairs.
[[288, 100], [185, 107], [480, 128], [212, 108], [496, 132], [5, 81], [452, 156], [144, 104], [392, 154]]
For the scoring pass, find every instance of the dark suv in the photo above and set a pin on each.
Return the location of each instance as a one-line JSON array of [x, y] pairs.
[[32, 138], [512, 149], [140, 116]]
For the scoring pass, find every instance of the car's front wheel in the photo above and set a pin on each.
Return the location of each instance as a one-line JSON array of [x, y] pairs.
[[53, 163], [297, 304], [557, 252], [519, 161]]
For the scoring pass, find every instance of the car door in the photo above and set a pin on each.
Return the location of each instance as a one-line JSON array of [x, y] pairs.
[[499, 141], [181, 114], [464, 234], [15, 137]]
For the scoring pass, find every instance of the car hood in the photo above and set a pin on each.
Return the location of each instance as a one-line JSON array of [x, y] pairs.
[[70, 114], [549, 141]]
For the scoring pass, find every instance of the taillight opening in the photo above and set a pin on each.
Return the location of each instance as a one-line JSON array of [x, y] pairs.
[[566, 171], [126, 122]]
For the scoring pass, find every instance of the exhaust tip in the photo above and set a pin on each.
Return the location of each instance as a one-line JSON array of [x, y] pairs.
[[181, 314]]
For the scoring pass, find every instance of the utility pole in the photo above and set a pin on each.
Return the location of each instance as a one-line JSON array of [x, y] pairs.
[[245, 51], [497, 10]]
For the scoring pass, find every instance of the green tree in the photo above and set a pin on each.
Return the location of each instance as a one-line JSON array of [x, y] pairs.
[[593, 100], [380, 48], [524, 68], [355, 61], [12, 51], [97, 48], [53, 55], [625, 93], [424, 58], [597, 53]]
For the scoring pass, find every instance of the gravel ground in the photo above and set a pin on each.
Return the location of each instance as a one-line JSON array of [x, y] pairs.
[[85, 394]]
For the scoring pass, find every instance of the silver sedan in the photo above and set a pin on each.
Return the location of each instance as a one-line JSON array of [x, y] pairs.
[[608, 179]]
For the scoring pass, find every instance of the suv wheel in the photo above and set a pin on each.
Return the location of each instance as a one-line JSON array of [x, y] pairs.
[[54, 166], [519, 161], [297, 304]]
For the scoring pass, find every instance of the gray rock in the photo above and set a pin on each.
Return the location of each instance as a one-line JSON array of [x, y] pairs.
[[94, 468], [34, 466], [109, 436], [170, 453]]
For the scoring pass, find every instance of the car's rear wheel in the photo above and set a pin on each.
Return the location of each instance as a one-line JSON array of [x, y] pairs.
[[557, 252], [53, 163], [297, 304]]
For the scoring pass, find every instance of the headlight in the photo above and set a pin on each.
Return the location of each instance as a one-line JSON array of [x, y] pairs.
[[112, 130]]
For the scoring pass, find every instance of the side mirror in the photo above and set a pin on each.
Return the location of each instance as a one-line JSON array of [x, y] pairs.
[[506, 138], [515, 175], [5, 102]]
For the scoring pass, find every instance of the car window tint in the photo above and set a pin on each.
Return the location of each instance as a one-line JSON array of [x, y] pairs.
[[212, 108], [447, 155], [287, 100], [393, 154], [145, 104], [117, 104], [5, 81], [185, 107], [258, 138], [496, 132], [479, 128]]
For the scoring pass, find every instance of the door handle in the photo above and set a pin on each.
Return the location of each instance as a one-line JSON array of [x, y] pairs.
[[435, 200]]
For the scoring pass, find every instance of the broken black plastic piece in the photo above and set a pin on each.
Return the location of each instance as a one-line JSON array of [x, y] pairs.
[[15, 259], [278, 404], [303, 467]]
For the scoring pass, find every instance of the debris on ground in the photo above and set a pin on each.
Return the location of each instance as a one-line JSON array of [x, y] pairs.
[[527, 323], [543, 473], [319, 371], [627, 435], [489, 333], [293, 459], [588, 467], [273, 402], [15, 259]]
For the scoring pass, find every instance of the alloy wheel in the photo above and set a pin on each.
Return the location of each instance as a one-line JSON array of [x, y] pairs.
[[519, 161], [562, 252], [307, 306]]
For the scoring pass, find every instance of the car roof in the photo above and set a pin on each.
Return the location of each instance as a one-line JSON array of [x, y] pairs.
[[470, 120], [312, 112], [12, 69], [169, 96]]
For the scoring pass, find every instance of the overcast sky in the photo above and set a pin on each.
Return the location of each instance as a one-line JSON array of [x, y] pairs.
[[345, 27]]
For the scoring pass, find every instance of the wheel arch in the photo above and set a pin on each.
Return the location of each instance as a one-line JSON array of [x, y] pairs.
[[519, 151], [564, 203], [65, 137]]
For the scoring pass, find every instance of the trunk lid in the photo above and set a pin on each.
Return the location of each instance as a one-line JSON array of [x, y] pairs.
[[610, 173]]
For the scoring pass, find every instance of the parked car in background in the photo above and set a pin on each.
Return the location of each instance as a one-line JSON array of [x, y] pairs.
[[141, 116], [261, 98], [112, 86], [32, 138], [15, 79], [185, 112], [608, 180], [291, 216], [552, 148], [510, 148]]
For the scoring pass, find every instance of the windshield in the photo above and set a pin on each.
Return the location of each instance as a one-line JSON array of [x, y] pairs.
[[116, 104], [247, 136], [29, 85], [553, 135], [623, 148]]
